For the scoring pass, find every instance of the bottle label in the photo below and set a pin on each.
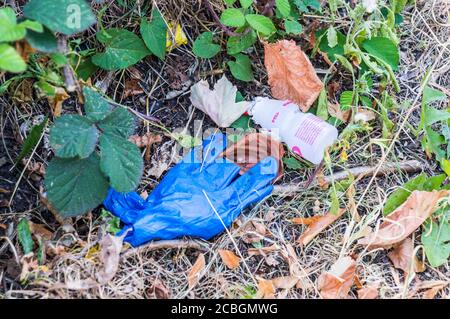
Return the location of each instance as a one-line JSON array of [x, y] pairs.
[[309, 129]]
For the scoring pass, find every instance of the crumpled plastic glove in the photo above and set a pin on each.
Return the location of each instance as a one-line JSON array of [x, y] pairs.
[[192, 196]]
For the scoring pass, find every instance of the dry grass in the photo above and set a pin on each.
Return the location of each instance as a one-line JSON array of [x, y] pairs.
[[163, 272]]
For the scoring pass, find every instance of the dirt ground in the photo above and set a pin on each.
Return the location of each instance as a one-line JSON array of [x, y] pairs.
[[161, 271]]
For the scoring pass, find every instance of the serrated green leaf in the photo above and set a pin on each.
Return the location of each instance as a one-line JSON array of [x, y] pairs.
[[237, 44], [64, 16], [293, 27], [121, 161], [73, 135], [42, 41], [10, 60], [59, 59], [284, 7], [384, 49], [292, 163], [346, 99], [119, 122], [261, 23], [75, 186], [204, 47], [246, 3], [95, 105], [436, 242], [24, 236], [241, 68], [232, 17], [123, 49], [32, 139], [32, 25], [154, 33], [445, 165], [433, 115]]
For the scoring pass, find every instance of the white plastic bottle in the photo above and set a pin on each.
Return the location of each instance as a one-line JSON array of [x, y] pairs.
[[305, 134]]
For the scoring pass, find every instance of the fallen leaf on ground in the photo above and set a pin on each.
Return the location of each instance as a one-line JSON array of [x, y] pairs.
[[336, 283], [148, 139], [229, 258], [266, 289], [291, 74], [318, 225], [432, 292], [402, 257], [157, 290], [110, 248], [262, 250], [57, 100], [403, 221], [252, 232], [306, 220], [131, 88], [364, 115], [175, 36], [40, 231], [335, 110], [196, 271], [220, 103], [284, 282], [370, 292], [253, 148]]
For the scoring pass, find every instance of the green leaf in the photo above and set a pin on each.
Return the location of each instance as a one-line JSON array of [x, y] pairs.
[[32, 139], [436, 242], [332, 37], [121, 161], [229, 2], [119, 122], [86, 68], [431, 95], [324, 47], [113, 222], [204, 47], [9, 29], [42, 41], [232, 17], [293, 27], [344, 62], [445, 165], [243, 122], [401, 194], [322, 105], [24, 236], [241, 68], [73, 135], [246, 3], [186, 140], [32, 25], [123, 49], [346, 99], [154, 33], [433, 115], [63, 16], [292, 163], [384, 49], [59, 59], [237, 44], [10, 60], [95, 105], [75, 186], [284, 7], [261, 23], [303, 5]]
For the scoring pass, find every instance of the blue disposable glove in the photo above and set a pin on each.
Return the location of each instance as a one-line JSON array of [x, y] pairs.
[[178, 206]]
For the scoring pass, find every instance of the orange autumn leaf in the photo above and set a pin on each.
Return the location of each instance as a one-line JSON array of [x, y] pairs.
[[291, 74], [266, 289], [336, 283], [370, 292], [57, 101], [403, 221], [318, 226], [196, 271], [252, 148], [305, 220], [402, 257], [229, 258]]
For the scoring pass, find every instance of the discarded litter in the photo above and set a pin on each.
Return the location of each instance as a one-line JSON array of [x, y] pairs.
[[198, 197], [305, 134]]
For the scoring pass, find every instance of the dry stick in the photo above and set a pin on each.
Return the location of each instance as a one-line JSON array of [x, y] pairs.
[[167, 244], [411, 166]]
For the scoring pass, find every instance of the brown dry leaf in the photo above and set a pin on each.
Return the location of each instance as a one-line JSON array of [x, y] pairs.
[[57, 101], [432, 292], [318, 226], [266, 289], [196, 271], [263, 250], [370, 292], [40, 231], [335, 110], [110, 248], [285, 282], [132, 87], [157, 290], [336, 283], [291, 74], [402, 257], [305, 220], [148, 139], [25, 50], [402, 222], [364, 115], [229, 258], [251, 149]]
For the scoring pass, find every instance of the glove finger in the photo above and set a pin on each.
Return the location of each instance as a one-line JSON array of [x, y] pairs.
[[257, 178], [220, 175], [126, 206]]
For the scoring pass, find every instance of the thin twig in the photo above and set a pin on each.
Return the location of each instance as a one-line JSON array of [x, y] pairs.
[[167, 244], [411, 166]]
